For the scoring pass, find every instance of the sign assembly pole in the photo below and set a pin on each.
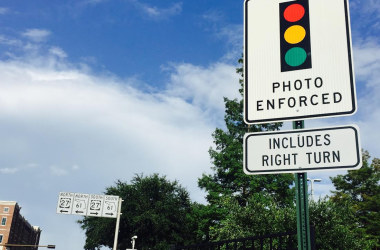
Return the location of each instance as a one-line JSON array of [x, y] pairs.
[[299, 67], [117, 225], [303, 224]]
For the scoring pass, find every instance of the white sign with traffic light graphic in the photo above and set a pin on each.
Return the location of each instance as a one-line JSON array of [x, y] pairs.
[[297, 60], [88, 204]]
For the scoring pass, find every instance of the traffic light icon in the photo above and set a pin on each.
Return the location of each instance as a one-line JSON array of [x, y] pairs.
[[295, 35]]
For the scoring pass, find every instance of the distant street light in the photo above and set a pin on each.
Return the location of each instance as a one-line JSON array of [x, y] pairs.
[[20, 245], [311, 186], [133, 243]]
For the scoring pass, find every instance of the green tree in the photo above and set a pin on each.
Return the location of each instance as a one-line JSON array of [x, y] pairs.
[[158, 211], [261, 216], [336, 226], [228, 178], [362, 190]]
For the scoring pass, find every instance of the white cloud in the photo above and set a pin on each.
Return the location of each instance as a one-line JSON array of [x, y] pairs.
[[205, 87], [367, 62], [213, 16], [368, 12], [36, 35], [57, 171], [74, 167], [233, 35], [93, 1], [10, 41], [4, 10], [230, 34], [31, 165], [8, 170], [56, 51], [154, 12], [366, 6]]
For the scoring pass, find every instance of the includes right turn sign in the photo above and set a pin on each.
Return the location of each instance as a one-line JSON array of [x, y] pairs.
[[297, 60], [302, 150]]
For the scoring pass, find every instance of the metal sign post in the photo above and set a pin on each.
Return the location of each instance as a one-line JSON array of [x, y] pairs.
[[302, 202], [117, 225]]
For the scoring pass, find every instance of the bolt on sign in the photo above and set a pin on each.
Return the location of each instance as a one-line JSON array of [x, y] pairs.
[[301, 150], [297, 60]]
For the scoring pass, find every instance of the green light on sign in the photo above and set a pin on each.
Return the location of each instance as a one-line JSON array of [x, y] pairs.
[[295, 56]]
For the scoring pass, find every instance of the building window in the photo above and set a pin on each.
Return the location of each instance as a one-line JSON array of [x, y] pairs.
[[4, 221], [1, 238], [6, 209]]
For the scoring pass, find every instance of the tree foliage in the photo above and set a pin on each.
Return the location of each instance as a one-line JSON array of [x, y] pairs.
[[261, 216], [360, 188], [228, 178], [336, 226], [156, 210]]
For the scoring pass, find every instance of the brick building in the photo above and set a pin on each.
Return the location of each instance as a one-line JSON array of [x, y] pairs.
[[15, 229]]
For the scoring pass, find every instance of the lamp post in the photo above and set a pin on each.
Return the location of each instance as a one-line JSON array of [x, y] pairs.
[[21, 245], [133, 241], [311, 186]]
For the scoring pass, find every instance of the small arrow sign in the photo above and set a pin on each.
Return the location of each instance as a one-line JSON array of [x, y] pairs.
[[95, 205], [110, 206], [65, 203], [80, 203]]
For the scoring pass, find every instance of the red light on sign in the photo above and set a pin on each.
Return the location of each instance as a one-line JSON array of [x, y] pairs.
[[294, 12]]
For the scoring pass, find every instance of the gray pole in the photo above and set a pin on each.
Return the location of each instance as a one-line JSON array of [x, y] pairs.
[[117, 225], [311, 186], [311, 189]]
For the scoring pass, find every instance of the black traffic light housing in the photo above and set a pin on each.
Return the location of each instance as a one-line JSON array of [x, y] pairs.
[[294, 17]]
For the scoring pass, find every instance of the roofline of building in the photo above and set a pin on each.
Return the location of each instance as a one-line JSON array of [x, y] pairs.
[[8, 202]]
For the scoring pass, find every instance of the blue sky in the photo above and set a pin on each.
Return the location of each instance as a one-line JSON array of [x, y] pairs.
[[97, 90], [129, 37]]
